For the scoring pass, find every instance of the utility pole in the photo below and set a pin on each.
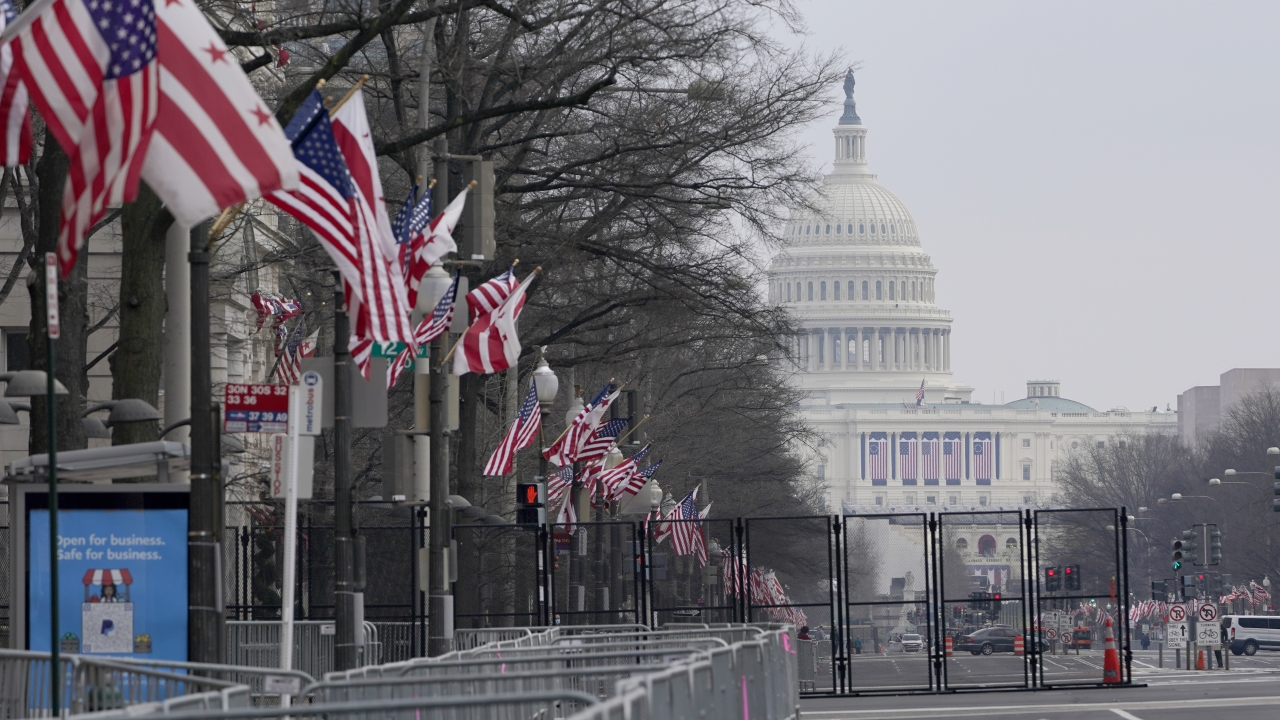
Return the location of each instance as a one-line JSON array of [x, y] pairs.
[[345, 600], [205, 616], [440, 601]]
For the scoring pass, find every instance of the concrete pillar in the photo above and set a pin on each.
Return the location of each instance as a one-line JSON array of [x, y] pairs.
[[177, 336], [946, 351], [843, 334]]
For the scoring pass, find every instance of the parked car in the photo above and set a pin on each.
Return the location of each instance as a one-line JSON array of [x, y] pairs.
[[1250, 633], [912, 642], [988, 640]]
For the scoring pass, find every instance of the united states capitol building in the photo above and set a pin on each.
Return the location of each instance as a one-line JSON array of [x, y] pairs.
[[871, 331]]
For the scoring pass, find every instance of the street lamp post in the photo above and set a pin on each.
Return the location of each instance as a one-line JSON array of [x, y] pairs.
[[548, 385], [655, 512]]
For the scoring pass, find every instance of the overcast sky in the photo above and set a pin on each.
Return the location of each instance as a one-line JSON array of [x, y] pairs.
[[1096, 182]]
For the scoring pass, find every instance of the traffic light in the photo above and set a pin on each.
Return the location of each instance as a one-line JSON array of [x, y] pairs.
[[1275, 504], [530, 500], [1215, 545], [1224, 584], [1159, 590], [1071, 577], [995, 603], [1188, 589], [1052, 580], [1184, 549]]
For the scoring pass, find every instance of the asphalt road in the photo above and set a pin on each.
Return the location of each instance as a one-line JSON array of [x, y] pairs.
[[1249, 691]]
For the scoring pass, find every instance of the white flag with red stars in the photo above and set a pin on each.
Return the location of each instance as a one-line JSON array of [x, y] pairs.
[[215, 142]]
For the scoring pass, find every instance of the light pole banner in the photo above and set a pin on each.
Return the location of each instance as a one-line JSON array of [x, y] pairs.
[[122, 569]]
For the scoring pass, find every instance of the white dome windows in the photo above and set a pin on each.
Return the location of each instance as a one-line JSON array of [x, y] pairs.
[[810, 291], [837, 229], [822, 290], [873, 228], [862, 229], [835, 287], [851, 291], [828, 229], [864, 290], [850, 229], [879, 294]]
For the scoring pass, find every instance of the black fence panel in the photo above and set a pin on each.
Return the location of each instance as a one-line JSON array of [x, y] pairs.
[[595, 573], [1081, 584], [681, 586], [984, 599], [886, 591], [499, 576]]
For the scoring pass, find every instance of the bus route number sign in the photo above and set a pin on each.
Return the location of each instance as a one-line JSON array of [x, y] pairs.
[[255, 408]]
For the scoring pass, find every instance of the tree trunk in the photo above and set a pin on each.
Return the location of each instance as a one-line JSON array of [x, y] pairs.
[[73, 311], [136, 363]]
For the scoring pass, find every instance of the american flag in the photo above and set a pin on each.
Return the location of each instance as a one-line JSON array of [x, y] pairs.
[[91, 68], [907, 457], [602, 439], [558, 482], [521, 434], [929, 458], [291, 362], [920, 394], [564, 451], [686, 535], [492, 343], [490, 295], [617, 480], [878, 456], [952, 457], [324, 198], [278, 309], [429, 328], [982, 456], [14, 116], [412, 219], [638, 481], [383, 314]]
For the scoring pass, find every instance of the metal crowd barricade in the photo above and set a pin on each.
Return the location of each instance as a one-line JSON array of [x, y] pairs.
[[95, 685], [266, 685], [723, 672]]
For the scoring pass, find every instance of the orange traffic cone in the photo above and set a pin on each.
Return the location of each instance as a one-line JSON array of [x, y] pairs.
[[1110, 657], [1200, 660], [1018, 648]]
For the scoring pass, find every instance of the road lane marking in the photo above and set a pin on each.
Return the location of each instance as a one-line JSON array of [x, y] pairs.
[[1125, 715]]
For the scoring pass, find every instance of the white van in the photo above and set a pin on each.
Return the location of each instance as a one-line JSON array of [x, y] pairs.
[[1250, 633]]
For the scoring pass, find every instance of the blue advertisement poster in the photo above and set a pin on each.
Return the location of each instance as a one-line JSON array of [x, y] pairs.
[[122, 581]]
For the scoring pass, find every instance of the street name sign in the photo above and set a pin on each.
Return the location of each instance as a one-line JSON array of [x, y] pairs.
[[255, 408]]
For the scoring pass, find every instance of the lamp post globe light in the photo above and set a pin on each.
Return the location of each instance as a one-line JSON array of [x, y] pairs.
[[548, 385]]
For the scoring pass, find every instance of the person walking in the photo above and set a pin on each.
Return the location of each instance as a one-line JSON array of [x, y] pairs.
[[857, 645]]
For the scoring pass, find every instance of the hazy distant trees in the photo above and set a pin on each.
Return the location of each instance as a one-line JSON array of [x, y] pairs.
[[1137, 471]]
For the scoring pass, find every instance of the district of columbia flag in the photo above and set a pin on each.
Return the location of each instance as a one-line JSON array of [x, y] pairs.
[[492, 343], [383, 315], [215, 144], [521, 434], [491, 294]]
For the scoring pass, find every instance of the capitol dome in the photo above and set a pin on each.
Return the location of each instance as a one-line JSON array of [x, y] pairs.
[[861, 287]]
